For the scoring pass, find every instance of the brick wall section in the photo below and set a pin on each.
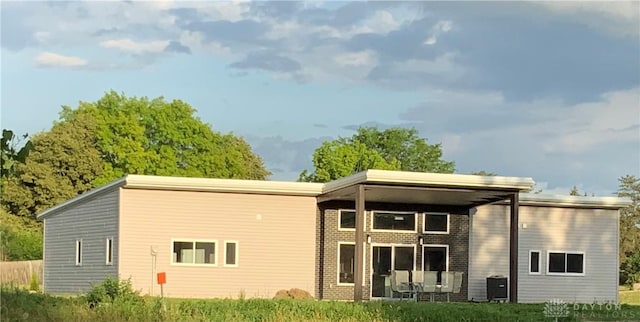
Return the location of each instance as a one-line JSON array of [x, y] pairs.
[[328, 237]]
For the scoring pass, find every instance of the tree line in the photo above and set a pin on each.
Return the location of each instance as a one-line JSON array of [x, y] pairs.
[[98, 142]]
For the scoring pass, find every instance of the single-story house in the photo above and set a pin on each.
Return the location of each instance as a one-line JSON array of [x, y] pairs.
[[231, 238]]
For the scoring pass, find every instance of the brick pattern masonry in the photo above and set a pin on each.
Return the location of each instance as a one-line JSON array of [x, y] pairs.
[[328, 236]]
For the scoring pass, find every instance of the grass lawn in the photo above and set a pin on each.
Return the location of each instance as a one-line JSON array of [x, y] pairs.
[[19, 305], [630, 297]]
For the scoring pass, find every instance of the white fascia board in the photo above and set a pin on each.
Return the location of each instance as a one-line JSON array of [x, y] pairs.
[[431, 179], [573, 201], [223, 185], [117, 183]]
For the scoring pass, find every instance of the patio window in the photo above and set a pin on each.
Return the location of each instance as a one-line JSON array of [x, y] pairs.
[[565, 263], [346, 263], [347, 219], [230, 253], [394, 221], [534, 262], [194, 252], [436, 223]]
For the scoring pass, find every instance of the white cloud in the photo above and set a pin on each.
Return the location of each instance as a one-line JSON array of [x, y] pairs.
[[49, 59], [615, 118], [431, 40], [442, 26], [616, 17], [361, 58], [381, 22], [129, 45]]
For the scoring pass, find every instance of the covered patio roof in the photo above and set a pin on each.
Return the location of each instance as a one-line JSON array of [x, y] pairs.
[[453, 190], [425, 188]]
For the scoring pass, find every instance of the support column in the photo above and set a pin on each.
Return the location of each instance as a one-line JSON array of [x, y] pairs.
[[359, 249], [513, 248]]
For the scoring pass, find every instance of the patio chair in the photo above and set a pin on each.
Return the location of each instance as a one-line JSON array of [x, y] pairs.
[[447, 283], [400, 284], [417, 281], [429, 283], [457, 281]]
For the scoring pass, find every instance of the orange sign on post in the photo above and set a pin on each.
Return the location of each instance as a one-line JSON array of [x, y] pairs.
[[162, 278]]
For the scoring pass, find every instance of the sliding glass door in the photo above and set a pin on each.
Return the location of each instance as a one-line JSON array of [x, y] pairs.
[[386, 258]]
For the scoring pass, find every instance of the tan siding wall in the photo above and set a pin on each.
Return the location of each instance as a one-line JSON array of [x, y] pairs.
[[489, 248], [93, 221], [276, 236], [592, 231]]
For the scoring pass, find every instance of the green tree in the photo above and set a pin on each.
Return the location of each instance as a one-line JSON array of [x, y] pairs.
[[10, 152], [141, 136], [370, 148], [574, 191], [61, 164], [404, 145], [629, 187], [483, 173]]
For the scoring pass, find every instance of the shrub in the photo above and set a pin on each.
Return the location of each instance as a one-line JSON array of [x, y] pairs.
[[112, 290], [630, 270]]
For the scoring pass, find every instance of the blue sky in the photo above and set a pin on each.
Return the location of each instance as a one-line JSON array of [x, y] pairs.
[[549, 90]]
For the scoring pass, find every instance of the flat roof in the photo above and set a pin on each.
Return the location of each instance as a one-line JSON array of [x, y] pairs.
[[384, 185]]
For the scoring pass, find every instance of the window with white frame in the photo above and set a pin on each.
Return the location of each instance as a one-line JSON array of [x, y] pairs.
[[346, 263], [565, 263], [534, 262], [194, 252], [78, 252], [109, 251], [397, 221], [436, 223], [230, 253], [347, 219]]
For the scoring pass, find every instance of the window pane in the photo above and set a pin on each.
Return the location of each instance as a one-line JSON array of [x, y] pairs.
[[575, 263], [109, 251], [556, 262], [183, 252], [404, 258], [434, 259], [435, 222], [205, 253], [346, 255], [78, 252], [392, 221], [347, 219], [231, 254], [535, 262]]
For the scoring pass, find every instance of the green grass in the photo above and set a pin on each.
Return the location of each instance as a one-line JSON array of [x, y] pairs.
[[630, 297], [20, 305]]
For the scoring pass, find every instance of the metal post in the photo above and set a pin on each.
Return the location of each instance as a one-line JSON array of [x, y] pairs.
[[359, 248], [513, 248]]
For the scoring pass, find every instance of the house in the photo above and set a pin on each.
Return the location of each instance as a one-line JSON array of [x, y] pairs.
[[231, 238]]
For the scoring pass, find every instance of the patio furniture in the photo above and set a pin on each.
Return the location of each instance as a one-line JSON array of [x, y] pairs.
[[430, 283], [417, 282], [400, 284], [447, 283]]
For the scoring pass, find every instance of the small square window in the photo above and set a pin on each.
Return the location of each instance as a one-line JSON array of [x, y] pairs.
[[436, 223], [347, 219]]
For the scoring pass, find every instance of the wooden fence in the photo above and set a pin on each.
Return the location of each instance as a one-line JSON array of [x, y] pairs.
[[19, 273]]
